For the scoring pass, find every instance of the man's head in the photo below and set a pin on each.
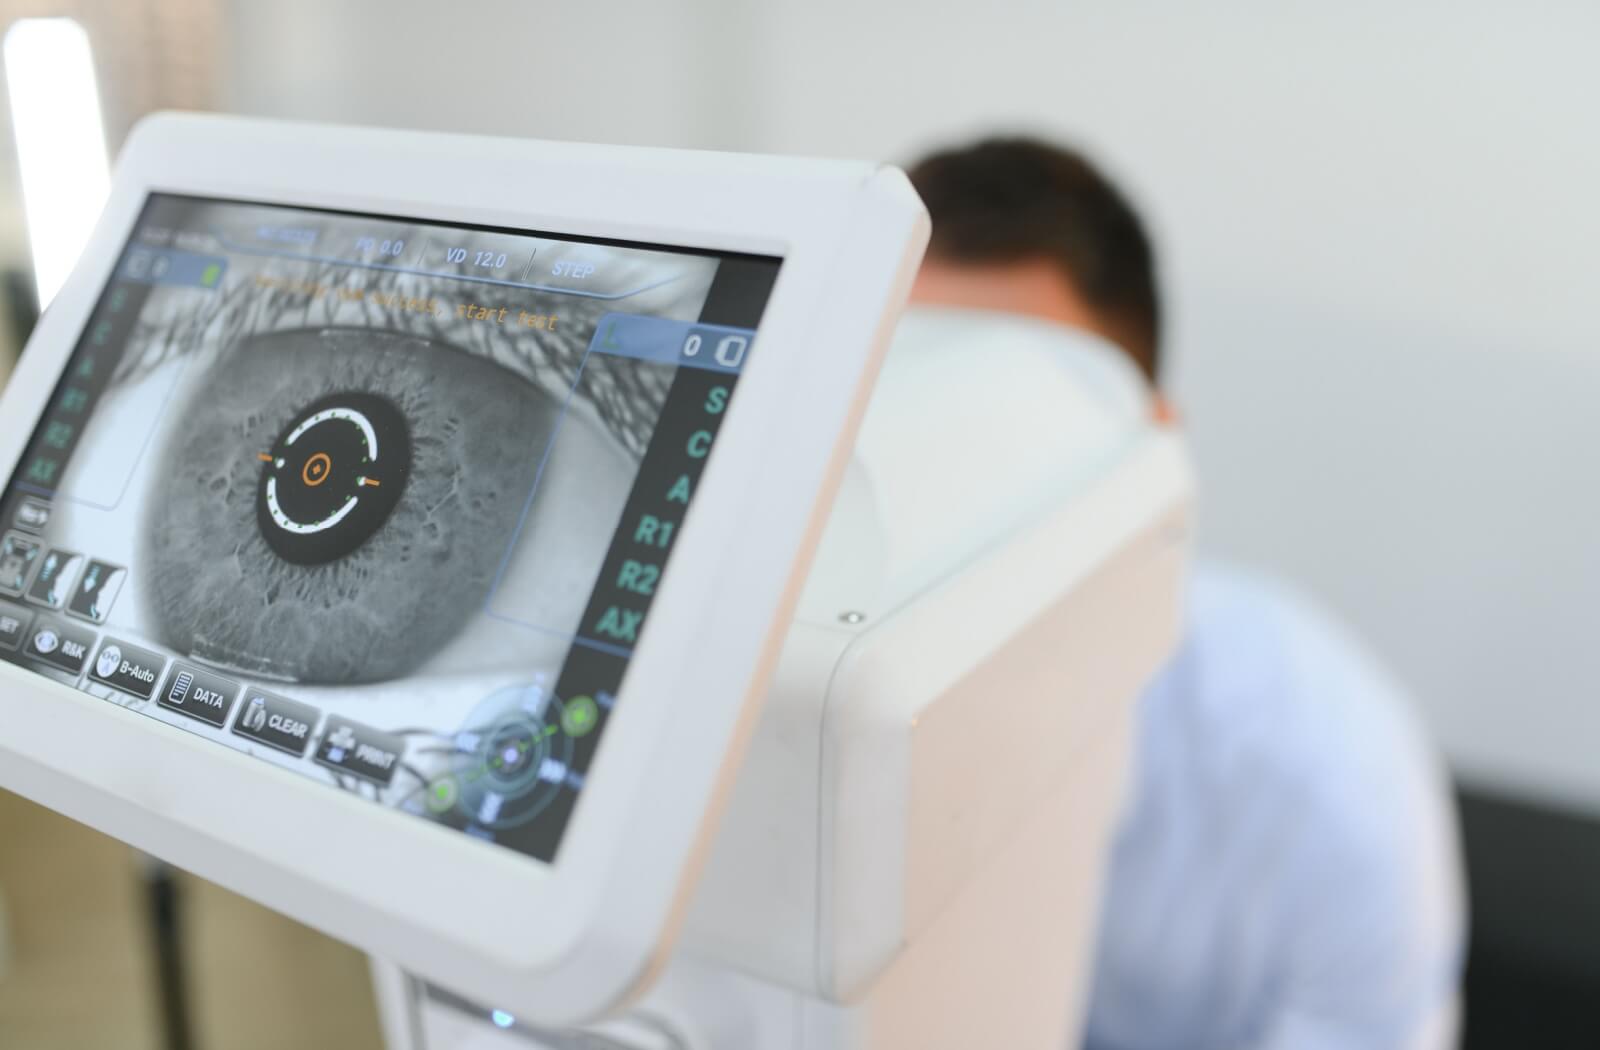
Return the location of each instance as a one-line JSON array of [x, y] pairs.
[[1029, 228]]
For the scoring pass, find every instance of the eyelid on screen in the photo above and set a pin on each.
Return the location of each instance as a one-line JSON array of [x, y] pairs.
[[373, 608], [621, 398]]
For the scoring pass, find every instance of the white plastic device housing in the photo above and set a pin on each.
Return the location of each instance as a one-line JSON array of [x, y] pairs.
[[565, 941], [913, 851], [1005, 468]]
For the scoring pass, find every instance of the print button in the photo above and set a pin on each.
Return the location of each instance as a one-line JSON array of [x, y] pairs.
[[354, 748]]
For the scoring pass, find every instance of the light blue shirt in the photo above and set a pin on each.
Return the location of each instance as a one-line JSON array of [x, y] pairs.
[[1287, 874]]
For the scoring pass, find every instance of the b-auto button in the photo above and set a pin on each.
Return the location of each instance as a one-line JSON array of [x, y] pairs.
[[127, 668], [272, 720]]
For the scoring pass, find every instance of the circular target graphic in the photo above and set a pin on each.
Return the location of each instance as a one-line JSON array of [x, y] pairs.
[[332, 477], [511, 760]]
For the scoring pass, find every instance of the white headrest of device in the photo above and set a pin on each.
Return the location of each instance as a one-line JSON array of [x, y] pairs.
[[980, 421]]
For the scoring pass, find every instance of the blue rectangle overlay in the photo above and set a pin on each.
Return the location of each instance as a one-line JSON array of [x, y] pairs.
[[160, 266], [715, 348]]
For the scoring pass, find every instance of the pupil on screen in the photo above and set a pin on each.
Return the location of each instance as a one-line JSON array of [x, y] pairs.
[[332, 477]]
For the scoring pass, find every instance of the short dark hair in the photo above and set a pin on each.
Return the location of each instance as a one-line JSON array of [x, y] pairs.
[[1010, 199]]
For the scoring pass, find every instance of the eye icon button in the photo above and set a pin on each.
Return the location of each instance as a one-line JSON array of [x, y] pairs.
[[332, 478], [110, 659], [62, 647]]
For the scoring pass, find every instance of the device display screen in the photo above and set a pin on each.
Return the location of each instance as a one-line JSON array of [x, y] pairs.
[[381, 501]]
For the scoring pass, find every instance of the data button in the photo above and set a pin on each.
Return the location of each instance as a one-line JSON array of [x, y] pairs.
[[199, 694]]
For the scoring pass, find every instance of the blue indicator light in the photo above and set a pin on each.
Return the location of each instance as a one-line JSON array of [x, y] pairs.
[[502, 1019]]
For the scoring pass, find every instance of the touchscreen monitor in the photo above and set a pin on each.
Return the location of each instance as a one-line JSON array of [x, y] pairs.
[[380, 501]]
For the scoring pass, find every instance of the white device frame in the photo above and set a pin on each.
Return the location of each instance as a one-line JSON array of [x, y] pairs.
[[563, 942]]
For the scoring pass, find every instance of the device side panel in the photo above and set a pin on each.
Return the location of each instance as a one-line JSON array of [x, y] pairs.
[[1047, 702], [1028, 653], [756, 905]]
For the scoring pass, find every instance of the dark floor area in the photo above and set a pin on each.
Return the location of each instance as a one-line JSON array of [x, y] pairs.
[[1533, 980]]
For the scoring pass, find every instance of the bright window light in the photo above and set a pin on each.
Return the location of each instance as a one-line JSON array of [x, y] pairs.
[[61, 142]]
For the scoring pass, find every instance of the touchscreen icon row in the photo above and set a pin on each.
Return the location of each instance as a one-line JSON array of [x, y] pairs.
[[277, 722], [61, 579]]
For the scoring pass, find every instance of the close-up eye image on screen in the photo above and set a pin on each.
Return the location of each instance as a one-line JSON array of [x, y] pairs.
[[798, 526], [380, 501]]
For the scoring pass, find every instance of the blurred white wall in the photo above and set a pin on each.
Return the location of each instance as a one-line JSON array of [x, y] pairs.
[[630, 72], [1381, 233]]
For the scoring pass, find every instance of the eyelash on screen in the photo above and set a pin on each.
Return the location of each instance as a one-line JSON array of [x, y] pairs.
[[626, 400]]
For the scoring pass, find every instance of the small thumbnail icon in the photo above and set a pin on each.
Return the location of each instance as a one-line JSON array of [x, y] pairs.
[[17, 555], [109, 660], [96, 592], [180, 687], [54, 580], [730, 351], [343, 739], [32, 515]]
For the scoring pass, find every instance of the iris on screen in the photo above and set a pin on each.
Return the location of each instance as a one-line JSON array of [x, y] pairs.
[[333, 506]]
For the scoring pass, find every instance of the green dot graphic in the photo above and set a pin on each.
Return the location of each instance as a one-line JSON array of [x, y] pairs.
[[580, 715], [442, 795]]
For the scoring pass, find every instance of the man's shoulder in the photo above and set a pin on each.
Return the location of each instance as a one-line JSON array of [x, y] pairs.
[[1273, 691], [1290, 831], [1261, 648], [1242, 614]]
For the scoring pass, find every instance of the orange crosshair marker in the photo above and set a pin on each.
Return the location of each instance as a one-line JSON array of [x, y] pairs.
[[316, 469]]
